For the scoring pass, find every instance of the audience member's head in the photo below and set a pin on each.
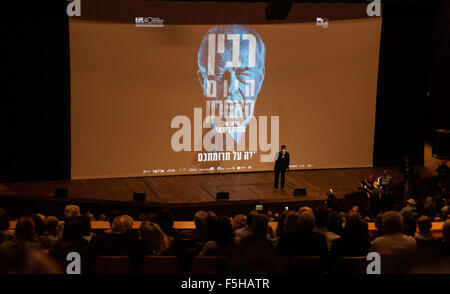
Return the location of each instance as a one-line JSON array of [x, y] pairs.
[[151, 217], [25, 230], [424, 224], [321, 217], [122, 225], [446, 231], [102, 217], [335, 223], [428, 208], [392, 222], [51, 225], [153, 238], [86, 225], [210, 223], [410, 225], [411, 202], [89, 215], [260, 224], [355, 227], [291, 221], [38, 223], [306, 221], [4, 220], [305, 208], [239, 221], [199, 220], [71, 211], [165, 219], [113, 214], [250, 216], [378, 223], [73, 229], [224, 235]]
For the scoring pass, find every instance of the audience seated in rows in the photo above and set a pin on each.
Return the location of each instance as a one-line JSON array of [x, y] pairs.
[[248, 241]]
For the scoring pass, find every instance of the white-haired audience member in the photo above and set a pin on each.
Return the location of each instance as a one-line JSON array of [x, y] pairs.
[[393, 241], [120, 242], [71, 211]]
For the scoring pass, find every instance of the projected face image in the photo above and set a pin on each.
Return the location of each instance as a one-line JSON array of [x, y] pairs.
[[231, 69]]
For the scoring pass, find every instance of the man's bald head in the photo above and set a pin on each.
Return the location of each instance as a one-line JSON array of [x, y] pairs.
[[122, 224]]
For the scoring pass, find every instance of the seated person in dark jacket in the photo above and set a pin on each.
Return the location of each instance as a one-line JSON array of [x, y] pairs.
[[355, 238], [120, 242], [72, 241], [255, 253], [424, 238], [49, 237], [259, 232], [152, 240], [302, 241], [444, 242], [166, 222], [223, 242], [288, 230], [189, 238]]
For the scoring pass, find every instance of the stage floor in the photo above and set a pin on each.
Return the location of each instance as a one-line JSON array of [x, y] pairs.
[[203, 188]]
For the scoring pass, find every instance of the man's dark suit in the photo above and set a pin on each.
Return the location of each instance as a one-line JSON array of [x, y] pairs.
[[281, 165]]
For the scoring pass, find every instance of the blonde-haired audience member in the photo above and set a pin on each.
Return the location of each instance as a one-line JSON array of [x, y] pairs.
[[239, 221], [71, 211], [153, 240]]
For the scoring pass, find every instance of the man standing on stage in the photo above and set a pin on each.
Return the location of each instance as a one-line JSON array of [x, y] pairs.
[[281, 165]]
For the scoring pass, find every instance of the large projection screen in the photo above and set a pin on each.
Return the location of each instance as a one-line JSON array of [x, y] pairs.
[[154, 96]]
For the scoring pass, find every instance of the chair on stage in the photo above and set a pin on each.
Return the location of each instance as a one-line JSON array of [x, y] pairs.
[[349, 265], [208, 265], [118, 265], [161, 265], [305, 265]]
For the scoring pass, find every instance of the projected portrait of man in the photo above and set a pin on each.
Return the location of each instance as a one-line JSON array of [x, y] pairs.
[[231, 69]]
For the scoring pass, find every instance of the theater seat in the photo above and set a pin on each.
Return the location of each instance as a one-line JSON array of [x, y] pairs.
[[161, 265], [349, 265], [208, 265], [305, 265], [112, 265]]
